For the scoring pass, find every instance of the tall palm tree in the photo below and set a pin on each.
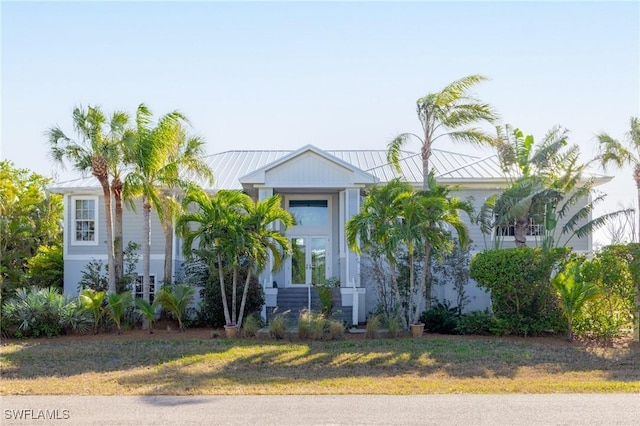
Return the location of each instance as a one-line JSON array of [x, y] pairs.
[[94, 152], [546, 181], [448, 113], [396, 218], [160, 159], [263, 243], [235, 230], [614, 152], [375, 227], [216, 218], [451, 112]]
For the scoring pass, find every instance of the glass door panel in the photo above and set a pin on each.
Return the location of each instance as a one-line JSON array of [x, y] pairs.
[[318, 259], [308, 260], [298, 261]]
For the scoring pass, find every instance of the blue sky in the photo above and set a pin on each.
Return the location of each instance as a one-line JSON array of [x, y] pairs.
[[256, 75]]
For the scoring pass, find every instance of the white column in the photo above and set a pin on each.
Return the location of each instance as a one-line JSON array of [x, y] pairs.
[[266, 278]]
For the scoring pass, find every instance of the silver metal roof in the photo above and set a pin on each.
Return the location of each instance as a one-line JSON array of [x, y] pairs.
[[229, 166]]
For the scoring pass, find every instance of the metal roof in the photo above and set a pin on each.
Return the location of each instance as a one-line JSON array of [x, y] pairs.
[[229, 166]]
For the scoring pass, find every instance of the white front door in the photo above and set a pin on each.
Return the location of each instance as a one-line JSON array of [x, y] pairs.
[[308, 263]]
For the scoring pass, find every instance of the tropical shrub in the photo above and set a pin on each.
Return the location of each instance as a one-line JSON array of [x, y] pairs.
[[476, 322], [610, 313], [393, 324], [34, 312], [325, 293], [175, 300], [523, 299], [93, 301], [117, 306], [442, 319], [46, 268], [573, 293], [147, 311]]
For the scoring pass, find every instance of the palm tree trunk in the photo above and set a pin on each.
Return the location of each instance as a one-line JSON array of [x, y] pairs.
[[520, 231], [425, 281], [118, 249], [234, 285], [227, 318], [110, 258], [146, 250], [396, 291], [636, 321], [167, 228], [411, 287], [245, 291]]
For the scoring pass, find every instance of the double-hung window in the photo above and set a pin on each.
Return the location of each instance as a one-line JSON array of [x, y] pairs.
[[84, 220]]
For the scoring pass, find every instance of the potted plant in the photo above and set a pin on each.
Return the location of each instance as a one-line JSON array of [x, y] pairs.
[[417, 329], [231, 331]]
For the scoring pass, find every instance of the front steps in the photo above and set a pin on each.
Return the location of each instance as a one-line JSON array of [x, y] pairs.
[[296, 300]]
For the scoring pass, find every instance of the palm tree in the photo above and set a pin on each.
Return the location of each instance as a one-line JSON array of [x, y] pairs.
[[375, 227], [547, 182], [446, 113], [217, 218], [235, 230], [451, 112], [160, 157], [117, 305], [614, 152], [95, 153], [263, 243], [396, 217], [176, 300]]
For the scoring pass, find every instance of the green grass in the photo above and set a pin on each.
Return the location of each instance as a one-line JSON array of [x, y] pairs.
[[383, 366]]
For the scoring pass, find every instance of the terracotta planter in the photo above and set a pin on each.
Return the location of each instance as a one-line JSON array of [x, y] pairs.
[[417, 330], [231, 331]]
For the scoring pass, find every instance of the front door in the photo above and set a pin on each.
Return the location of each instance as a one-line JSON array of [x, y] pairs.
[[308, 262]]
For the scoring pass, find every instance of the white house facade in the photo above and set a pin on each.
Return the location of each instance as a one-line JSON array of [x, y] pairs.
[[322, 189]]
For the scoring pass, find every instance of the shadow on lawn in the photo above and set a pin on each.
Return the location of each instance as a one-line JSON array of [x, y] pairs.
[[184, 366]]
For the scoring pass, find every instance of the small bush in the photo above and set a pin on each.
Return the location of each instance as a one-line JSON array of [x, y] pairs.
[[35, 312], [373, 325], [441, 319], [318, 327], [336, 330], [278, 326], [304, 324], [523, 299], [393, 325], [476, 322], [251, 325]]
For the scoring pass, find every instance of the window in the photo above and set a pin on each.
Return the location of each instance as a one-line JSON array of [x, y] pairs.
[[84, 220], [310, 212], [138, 290], [535, 228]]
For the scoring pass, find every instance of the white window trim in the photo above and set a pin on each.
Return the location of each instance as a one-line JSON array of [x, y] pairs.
[[72, 230], [153, 281], [494, 232]]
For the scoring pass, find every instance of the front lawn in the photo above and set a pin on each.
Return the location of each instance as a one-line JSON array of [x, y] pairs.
[[164, 365]]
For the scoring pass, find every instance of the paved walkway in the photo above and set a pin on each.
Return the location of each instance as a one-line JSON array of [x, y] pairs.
[[467, 410]]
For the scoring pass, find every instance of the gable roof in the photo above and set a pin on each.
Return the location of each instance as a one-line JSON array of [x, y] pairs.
[[359, 176]]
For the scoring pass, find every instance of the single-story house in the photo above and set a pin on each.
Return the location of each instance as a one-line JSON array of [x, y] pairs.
[[322, 189]]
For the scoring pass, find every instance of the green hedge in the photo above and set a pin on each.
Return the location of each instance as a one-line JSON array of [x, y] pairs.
[[523, 300]]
